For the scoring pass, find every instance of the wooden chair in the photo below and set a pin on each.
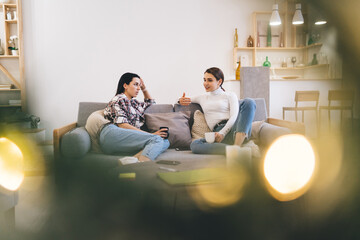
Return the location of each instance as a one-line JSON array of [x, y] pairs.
[[304, 96], [345, 100]]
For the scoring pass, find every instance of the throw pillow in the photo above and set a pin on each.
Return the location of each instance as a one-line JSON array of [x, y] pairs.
[[200, 126], [178, 124], [94, 123], [76, 143]]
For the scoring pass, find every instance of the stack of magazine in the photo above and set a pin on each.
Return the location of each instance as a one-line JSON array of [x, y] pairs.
[[5, 86]]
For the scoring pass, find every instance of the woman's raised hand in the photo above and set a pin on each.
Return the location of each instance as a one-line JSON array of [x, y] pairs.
[[142, 85], [184, 101]]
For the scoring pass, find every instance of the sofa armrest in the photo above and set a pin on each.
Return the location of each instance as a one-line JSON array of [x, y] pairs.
[[57, 134], [295, 127]]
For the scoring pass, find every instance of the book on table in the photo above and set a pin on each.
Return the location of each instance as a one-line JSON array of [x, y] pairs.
[[192, 177]]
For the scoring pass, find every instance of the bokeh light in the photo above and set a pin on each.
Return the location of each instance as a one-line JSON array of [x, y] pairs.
[[289, 166], [11, 165], [225, 191]]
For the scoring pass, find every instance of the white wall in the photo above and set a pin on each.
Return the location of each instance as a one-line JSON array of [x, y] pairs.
[[77, 50]]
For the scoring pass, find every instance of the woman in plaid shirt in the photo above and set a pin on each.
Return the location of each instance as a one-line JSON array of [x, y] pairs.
[[127, 115]]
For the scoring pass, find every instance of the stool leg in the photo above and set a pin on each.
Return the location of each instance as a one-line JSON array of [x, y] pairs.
[[341, 118], [329, 120], [283, 114], [316, 122], [302, 119], [352, 121], [319, 121]]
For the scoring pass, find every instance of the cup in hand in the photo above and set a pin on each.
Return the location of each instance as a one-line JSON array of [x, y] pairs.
[[167, 131], [210, 137]]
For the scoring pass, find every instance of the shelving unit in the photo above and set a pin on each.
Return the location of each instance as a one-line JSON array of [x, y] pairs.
[[12, 66], [291, 47]]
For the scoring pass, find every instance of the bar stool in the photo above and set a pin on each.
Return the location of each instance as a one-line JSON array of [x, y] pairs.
[[345, 99], [304, 96]]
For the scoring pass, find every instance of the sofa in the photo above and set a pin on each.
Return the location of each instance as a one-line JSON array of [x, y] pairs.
[[73, 143]]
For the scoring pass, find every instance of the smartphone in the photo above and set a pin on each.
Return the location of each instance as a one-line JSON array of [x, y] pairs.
[[168, 162], [182, 149]]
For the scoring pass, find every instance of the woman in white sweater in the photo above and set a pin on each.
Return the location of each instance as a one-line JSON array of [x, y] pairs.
[[230, 122]]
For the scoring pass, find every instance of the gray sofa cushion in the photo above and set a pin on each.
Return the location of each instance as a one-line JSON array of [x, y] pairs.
[[76, 143], [87, 108], [160, 108], [269, 133], [192, 108], [178, 124]]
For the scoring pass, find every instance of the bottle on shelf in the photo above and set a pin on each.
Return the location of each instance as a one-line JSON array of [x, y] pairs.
[[314, 60], [8, 14], [281, 40], [15, 15], [268, 39], [2, 52], [258, 40], [237, 73], [267, 62], [236, 38], [250, 41]]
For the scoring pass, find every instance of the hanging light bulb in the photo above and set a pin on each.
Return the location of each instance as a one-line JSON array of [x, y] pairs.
[[275, 19], [320, 21], [298, 17]]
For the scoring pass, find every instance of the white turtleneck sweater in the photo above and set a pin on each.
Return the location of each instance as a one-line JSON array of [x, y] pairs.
[[217, 106]]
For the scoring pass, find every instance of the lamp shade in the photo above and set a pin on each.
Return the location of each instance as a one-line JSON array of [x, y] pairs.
[[298, 17], [275, 19]]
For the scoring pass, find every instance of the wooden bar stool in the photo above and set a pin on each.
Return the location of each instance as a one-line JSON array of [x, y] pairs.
[[345, 100], [304, 96]]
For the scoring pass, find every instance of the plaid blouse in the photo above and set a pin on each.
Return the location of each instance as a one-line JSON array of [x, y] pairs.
[[122, 110]]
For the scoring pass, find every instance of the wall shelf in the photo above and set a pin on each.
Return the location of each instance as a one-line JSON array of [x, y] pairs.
[[300, 68], [10, 106], [14, 69], [278, 48], [8, 56], [10, 90]]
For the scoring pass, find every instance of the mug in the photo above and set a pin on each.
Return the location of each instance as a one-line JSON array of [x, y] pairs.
[[167, 132], [210, 137]]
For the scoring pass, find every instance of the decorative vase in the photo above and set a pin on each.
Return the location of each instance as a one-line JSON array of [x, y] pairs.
[[250, 41], [267, 62], [314, 60], [2, 52], [236, 38], [237, 74], [268, 42], [15, 52]]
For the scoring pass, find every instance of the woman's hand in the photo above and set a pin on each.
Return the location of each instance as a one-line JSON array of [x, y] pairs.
[[162, 133], [218, 137], [142, 85], [184, 101]]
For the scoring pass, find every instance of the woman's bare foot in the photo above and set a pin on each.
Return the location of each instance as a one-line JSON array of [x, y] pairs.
[[141, 157], [239, 138]]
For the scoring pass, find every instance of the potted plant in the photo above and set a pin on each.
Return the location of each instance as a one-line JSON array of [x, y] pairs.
[[13, 44]]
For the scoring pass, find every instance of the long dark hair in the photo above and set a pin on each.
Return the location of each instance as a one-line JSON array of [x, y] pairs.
[[217, 73], [125, 78]]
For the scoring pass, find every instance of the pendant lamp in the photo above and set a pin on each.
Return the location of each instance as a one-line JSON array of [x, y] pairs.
[[298, 17], [275, 19]]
